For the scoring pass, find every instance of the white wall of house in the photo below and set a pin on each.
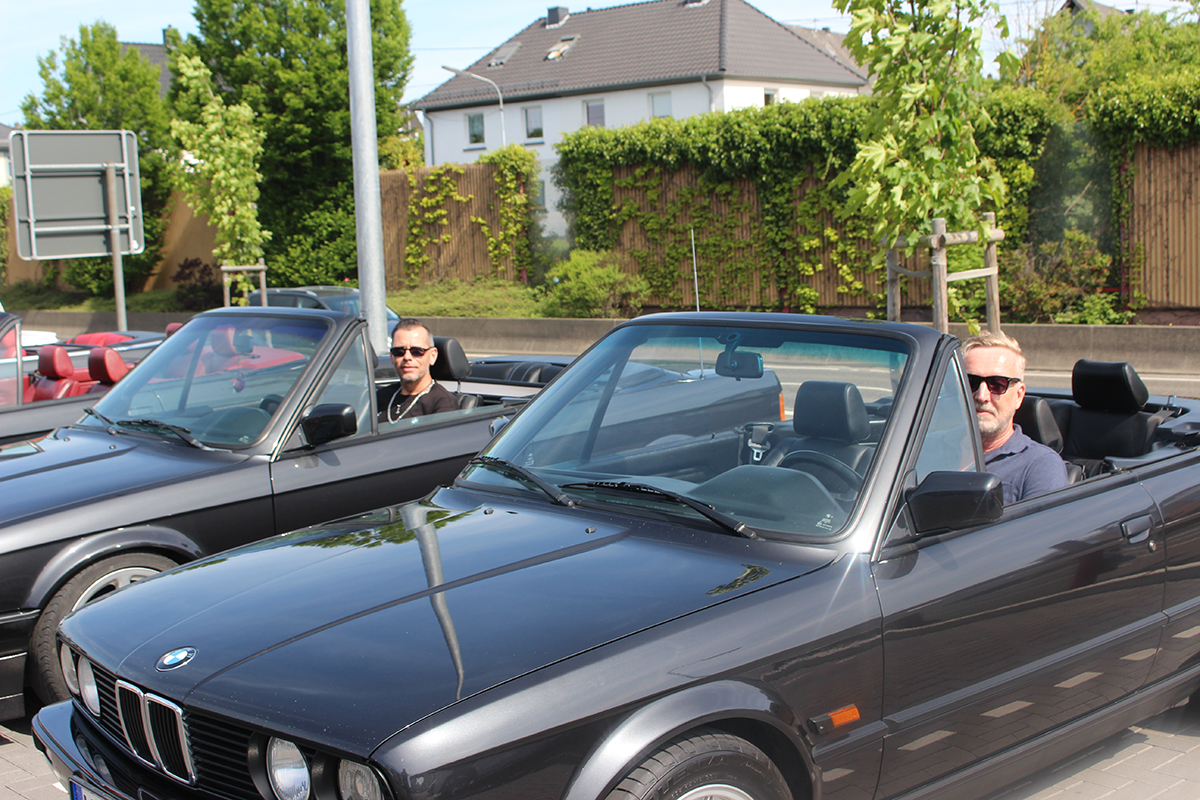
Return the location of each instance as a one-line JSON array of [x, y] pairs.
[[447, 133]]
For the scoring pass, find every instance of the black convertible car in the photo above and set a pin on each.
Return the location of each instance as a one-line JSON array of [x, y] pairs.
[[678, 592]]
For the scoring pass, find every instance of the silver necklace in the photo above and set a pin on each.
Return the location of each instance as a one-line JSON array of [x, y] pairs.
[[392, 402]]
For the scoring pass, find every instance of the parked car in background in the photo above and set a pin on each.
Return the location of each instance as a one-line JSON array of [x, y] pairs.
[[243, 424], [666, 579], [337, 298], [42, 388]]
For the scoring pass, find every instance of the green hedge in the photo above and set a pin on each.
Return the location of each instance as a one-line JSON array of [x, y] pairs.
[[776, 148]]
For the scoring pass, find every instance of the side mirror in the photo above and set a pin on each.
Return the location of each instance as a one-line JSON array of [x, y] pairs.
[[497, 425], [955, 500], [328, 422], [743, 364]]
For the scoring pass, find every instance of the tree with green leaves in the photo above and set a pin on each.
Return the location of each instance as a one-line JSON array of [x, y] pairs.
[[219, 166], [287, 61], [99, 86], [918, 157]]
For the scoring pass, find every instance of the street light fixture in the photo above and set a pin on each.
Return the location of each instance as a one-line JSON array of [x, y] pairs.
[[500, 97]]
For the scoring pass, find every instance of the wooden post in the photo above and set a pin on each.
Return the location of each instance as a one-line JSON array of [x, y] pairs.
[[937, 263], [992, 282], [893, 285]]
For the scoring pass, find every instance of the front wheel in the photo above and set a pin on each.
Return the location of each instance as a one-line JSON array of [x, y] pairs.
[[85, 586], [705, 765]]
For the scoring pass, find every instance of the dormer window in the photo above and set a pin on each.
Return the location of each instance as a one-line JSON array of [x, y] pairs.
[[504, 54], [559, 50]]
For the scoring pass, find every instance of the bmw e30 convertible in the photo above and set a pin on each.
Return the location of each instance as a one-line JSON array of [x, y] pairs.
[[678, 592]]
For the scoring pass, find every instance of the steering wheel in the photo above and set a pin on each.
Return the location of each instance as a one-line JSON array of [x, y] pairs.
[[842, 472], [270, 403]]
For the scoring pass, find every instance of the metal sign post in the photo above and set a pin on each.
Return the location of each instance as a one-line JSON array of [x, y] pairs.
[[78, 194]]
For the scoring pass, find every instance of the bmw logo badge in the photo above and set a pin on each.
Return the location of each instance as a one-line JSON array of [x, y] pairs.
[[175, 658]]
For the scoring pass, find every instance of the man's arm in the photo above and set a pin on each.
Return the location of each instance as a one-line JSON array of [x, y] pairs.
[[1046, 473]]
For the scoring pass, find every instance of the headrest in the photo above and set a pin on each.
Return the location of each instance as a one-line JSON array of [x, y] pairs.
[[222, 341], [54, 362], [105, 365], [452, 363], [173, 326], [1036, 419], [1108, 386], [829, 410]]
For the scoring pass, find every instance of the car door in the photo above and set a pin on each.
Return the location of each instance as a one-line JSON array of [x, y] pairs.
[[369, 469], [996, 634]]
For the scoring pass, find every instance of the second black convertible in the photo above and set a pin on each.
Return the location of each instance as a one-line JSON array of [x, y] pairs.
[[678, 589]]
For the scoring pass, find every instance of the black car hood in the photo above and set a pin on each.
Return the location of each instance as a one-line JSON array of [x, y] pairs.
[[345, 634], [73, 466]]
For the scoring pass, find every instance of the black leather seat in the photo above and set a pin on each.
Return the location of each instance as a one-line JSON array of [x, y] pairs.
[[1036, 418], [828, 418], [452, 365], [1107, 419]]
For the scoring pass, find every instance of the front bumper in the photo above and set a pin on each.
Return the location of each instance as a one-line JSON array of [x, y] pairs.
[[80, 754]]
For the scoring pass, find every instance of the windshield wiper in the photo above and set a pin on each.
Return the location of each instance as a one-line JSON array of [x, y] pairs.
[[501, 465], [178, 430], [625, 487], [102, 418]]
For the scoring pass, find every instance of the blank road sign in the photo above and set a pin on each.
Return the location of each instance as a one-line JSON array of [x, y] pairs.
[[61, 197]]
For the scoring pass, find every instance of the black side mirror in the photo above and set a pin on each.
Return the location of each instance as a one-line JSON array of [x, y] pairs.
[[328, 422], [739, 364], [955, 500]]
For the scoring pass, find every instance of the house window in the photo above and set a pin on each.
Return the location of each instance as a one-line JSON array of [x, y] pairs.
[[660, 104], [593, 113], [539, 198], [559, 50], [475, 128], [770, 97], [533, 122]]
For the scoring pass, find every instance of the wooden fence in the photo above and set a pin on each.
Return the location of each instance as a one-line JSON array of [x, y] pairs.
[[1165, 223], [458, 247]]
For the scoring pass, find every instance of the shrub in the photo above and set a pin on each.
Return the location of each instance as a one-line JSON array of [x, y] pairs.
[[1062, 282], [198, 287], [590, 284]]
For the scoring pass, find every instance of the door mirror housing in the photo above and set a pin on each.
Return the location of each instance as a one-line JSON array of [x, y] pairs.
[[328, 422], [955, 500]]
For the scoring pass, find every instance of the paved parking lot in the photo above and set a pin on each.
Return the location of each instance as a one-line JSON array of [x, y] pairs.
[[1159, 759]]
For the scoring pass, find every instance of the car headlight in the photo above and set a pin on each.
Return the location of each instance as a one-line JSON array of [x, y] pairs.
[[358, 782], [87, 686], [287, 770], [66, 659]]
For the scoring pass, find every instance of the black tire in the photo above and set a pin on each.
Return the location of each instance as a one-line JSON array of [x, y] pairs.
[[89, 584], [705, 764]]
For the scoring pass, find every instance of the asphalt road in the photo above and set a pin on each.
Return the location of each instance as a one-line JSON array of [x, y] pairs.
[[1158, 759]]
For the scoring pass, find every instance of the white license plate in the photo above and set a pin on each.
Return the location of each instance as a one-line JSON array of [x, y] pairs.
[[80, 793]]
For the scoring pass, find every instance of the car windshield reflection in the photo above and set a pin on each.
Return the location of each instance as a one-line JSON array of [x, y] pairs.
[[774, 430], [218, 380]]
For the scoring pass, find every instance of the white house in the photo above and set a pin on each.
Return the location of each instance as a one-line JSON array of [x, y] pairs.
[[623, 65]]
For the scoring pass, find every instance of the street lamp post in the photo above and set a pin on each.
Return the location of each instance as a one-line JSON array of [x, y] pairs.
[[500, 97]]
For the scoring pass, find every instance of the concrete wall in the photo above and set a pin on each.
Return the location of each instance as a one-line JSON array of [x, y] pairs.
[[1162, 349]]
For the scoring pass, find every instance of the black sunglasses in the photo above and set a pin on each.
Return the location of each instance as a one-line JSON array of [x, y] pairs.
[[997, 384], [417, 352]]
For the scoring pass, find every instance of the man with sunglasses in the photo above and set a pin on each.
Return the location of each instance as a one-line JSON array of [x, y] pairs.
[[418, 394], [996, 372]]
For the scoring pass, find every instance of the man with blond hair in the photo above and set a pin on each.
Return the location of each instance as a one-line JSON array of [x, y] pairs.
[[996, 373]]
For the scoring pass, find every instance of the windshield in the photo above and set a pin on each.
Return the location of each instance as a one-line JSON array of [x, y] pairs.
[[774, 429], [219, 379]]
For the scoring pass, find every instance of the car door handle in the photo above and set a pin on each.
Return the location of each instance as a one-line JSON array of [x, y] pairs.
[[1137, 529]]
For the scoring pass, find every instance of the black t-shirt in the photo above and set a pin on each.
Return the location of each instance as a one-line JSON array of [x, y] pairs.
[[393, 405]]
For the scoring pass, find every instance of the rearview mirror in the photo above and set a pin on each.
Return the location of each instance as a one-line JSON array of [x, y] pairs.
[[740, 364], [955, 500], [328, 422]]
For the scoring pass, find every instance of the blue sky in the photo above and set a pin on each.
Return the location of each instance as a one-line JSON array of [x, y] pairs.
[[452, 32]]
